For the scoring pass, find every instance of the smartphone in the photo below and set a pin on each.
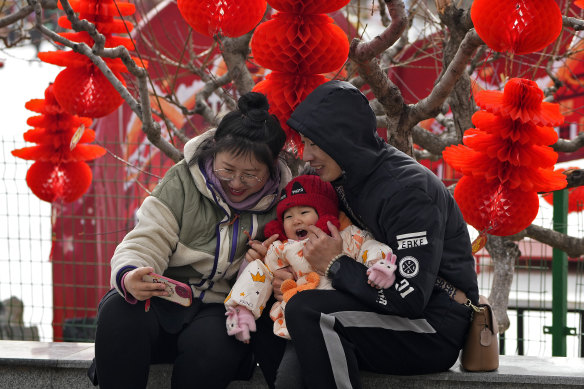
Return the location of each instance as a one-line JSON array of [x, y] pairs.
[[177, 291]]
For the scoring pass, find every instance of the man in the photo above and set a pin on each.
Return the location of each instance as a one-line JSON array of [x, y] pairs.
[[414, 326]]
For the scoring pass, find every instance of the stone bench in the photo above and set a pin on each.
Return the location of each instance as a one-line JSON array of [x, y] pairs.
[[28, 364]]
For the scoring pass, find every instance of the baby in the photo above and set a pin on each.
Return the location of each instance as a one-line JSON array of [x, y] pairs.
[[305, 201]]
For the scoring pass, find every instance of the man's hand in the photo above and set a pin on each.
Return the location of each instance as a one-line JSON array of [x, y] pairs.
[[322, 248], [140, 289], [280, 275], [259, 249]]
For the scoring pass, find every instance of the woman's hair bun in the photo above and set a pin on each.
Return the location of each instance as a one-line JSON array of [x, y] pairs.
[[254, 108]]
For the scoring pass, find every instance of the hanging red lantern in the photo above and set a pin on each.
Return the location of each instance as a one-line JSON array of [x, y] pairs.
[[65, 181], [506, 160], [493, 208], [231, 18], [298, 44], [305, 44], [81, 88], [518, 26], [87, 92], [60, 170]]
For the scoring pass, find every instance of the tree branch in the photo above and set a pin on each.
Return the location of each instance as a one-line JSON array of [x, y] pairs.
[[365, 51], [504, 255], [573, 23], [572, 246], [18, 15], [431, 105], [569, 146], [235, 52], [434, 143]]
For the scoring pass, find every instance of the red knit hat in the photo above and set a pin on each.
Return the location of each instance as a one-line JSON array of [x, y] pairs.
[[307, 191]]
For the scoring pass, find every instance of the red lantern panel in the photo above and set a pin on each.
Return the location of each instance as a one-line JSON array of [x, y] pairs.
[[480, 165], [515, 153], [229, 17], [521, 100], [514, 130], [86, 92], [284, 92], [60, 153], [304, 44], [55, 123], [65, 181], [494, 208], [102, 8], [520, 26], [308, 6]]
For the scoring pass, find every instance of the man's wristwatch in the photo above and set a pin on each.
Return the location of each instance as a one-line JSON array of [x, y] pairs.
[[333, 269]]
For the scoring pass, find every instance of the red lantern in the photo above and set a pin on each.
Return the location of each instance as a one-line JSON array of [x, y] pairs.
[[87, 92], [60, 171], [66, 181], [81, 88], [506, 160], [518, 26], [297, 44], [305, 44], [307, 7], [229, 17], [494, 208]]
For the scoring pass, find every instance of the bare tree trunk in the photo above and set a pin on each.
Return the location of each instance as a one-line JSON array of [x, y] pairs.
[[504, 253], [460, 100]]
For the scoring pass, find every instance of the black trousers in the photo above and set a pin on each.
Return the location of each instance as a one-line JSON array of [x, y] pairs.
[[193, 339], [335, 335]]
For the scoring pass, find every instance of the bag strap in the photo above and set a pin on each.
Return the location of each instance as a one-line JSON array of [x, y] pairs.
[[454, 293]]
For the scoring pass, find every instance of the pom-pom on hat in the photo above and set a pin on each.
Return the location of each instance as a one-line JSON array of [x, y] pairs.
[[306, 191]]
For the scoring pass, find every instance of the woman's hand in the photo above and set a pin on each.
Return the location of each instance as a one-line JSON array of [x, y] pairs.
[[142, 290], [322, 248], [259, 249], [280, 275]]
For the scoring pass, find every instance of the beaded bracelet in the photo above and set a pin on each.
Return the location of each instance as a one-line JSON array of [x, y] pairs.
[[326, 272]]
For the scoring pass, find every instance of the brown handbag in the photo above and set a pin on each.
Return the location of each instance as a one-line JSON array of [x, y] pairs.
[[481, 348]]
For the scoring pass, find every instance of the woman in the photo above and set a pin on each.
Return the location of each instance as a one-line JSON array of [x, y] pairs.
[[194, 229], [415, 326]]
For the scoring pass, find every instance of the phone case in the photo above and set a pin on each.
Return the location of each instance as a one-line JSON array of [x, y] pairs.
[[178, 292]]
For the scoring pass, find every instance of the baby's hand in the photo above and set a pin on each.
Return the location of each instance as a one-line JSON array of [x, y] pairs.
[[259, 249], [240, 322], [382, 274]]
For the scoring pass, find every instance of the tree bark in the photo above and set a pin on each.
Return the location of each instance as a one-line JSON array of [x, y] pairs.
[[504, 255]]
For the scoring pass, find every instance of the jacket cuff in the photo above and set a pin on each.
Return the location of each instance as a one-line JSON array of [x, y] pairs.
[[120, 283]]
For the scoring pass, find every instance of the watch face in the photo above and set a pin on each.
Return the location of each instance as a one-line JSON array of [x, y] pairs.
[[334, 268]]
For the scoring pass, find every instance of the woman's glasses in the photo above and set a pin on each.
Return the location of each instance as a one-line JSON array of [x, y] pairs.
[[228, 175]]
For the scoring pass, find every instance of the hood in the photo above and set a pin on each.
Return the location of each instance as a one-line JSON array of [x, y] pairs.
[[192, 145], [337, 117]]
